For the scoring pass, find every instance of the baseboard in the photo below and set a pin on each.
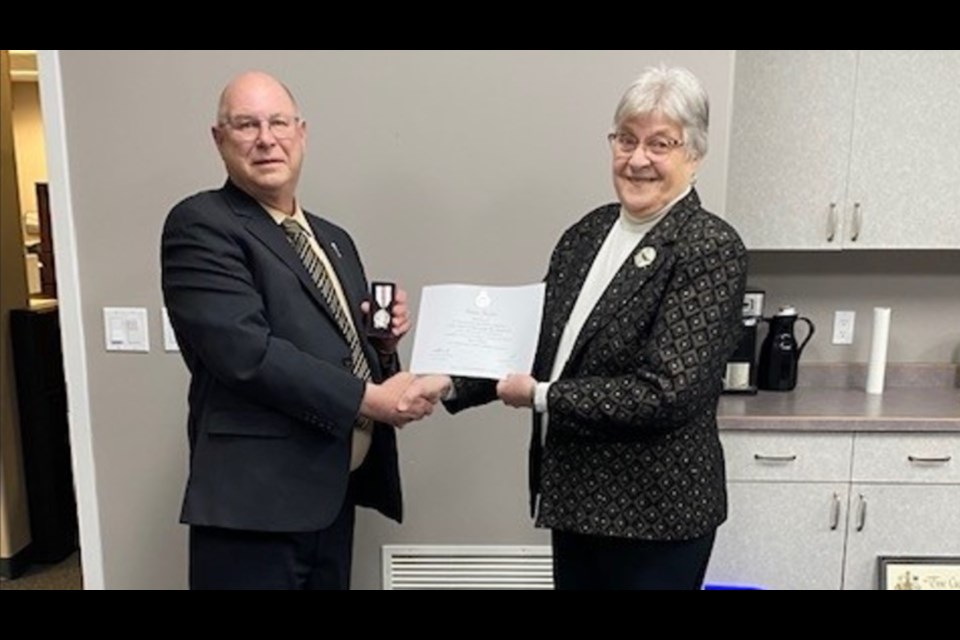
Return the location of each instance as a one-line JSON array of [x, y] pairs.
[[14, 566]]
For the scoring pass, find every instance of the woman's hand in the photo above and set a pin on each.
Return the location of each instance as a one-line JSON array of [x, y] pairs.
[[517, 389]]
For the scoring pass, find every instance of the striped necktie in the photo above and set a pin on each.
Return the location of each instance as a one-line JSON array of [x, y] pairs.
[[318, 273]]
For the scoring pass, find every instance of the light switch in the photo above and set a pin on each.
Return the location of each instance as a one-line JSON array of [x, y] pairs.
[[169, 337], [126, 329]]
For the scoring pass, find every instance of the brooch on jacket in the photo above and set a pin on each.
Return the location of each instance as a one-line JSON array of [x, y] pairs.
[[645, 257]]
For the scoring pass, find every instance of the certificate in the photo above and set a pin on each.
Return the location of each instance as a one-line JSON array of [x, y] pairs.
[[477, 331]]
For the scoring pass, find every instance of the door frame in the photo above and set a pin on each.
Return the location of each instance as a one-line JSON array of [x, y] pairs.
[[72, 333]]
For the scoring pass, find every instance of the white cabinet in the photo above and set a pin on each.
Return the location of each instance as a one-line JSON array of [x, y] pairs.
[[898, 520], [904, 501], [816, 511], [904, 185], [781, 536], [845, 149], [789, 147], [787, 496]]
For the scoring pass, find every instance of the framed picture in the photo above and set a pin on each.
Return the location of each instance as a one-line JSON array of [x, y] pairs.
[[914, 573]]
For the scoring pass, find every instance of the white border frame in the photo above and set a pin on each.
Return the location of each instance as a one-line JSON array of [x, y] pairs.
[[71, 318]]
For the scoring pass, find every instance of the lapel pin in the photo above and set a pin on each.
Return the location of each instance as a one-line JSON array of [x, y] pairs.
[[336, 249], [645, 257]]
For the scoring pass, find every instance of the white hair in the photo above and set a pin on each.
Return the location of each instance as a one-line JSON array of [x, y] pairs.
[[675, 93]]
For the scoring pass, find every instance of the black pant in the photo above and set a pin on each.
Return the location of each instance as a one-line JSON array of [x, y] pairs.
[[600, 562], [233, 559]]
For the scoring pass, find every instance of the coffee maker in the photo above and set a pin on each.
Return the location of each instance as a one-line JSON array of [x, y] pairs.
[[741, 373]]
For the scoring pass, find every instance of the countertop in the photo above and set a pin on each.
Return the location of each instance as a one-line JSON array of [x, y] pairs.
[[929, 402]]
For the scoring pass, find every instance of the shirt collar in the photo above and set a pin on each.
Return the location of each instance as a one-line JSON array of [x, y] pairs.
[[630, 221], [279, 216]]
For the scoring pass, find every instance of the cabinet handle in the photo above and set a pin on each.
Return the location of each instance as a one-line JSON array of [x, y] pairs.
[[835, 513], [921, 459], [857, 219], [832, 222], [861, 513], [763, 458]]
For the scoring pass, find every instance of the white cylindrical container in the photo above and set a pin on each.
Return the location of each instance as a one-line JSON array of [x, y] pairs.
[[877, 368]]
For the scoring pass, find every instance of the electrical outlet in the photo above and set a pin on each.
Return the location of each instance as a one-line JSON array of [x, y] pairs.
[[843, 327]]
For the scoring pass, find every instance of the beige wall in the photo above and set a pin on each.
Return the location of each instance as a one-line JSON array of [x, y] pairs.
[[446, 167], [28, 136], [14, 518]]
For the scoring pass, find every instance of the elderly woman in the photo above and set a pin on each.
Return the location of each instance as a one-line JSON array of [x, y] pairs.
[[642, 309]]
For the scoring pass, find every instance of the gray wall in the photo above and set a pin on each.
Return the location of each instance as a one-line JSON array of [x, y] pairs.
[[446, 167], [921, 288]]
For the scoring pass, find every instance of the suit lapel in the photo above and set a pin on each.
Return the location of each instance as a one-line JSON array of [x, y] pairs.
[[259, 223]]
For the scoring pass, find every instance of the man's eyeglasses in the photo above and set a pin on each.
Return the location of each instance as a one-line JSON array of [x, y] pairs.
[[248, 129], [655, 147]]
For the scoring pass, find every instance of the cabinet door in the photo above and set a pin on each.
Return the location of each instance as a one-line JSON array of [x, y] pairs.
[[898, 520], [790, 147], [781, 536], [905, 162]]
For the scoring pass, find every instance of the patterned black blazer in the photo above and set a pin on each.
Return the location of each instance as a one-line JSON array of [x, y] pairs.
[[632, 448]]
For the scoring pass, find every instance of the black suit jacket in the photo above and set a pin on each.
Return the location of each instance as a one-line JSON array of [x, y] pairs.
[[632, 448], [273, 399]]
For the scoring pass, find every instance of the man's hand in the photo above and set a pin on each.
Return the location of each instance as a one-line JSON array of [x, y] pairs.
[[516, 390], [399, 322], [429, 388], [381, 402]]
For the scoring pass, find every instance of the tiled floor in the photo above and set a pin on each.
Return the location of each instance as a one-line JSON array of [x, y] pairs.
[[62, 577]]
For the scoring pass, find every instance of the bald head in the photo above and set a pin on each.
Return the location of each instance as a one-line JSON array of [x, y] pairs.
[[261, 138], [245, 83]]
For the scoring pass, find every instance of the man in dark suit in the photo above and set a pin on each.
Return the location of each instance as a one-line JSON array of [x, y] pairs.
[[291, 407]]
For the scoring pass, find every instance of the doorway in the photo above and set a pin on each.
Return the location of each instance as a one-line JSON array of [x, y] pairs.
[[39, 541]]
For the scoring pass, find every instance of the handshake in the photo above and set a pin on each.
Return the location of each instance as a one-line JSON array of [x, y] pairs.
[[405, 397]]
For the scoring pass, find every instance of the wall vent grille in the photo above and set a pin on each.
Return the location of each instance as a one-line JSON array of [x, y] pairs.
[[467, 567]]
